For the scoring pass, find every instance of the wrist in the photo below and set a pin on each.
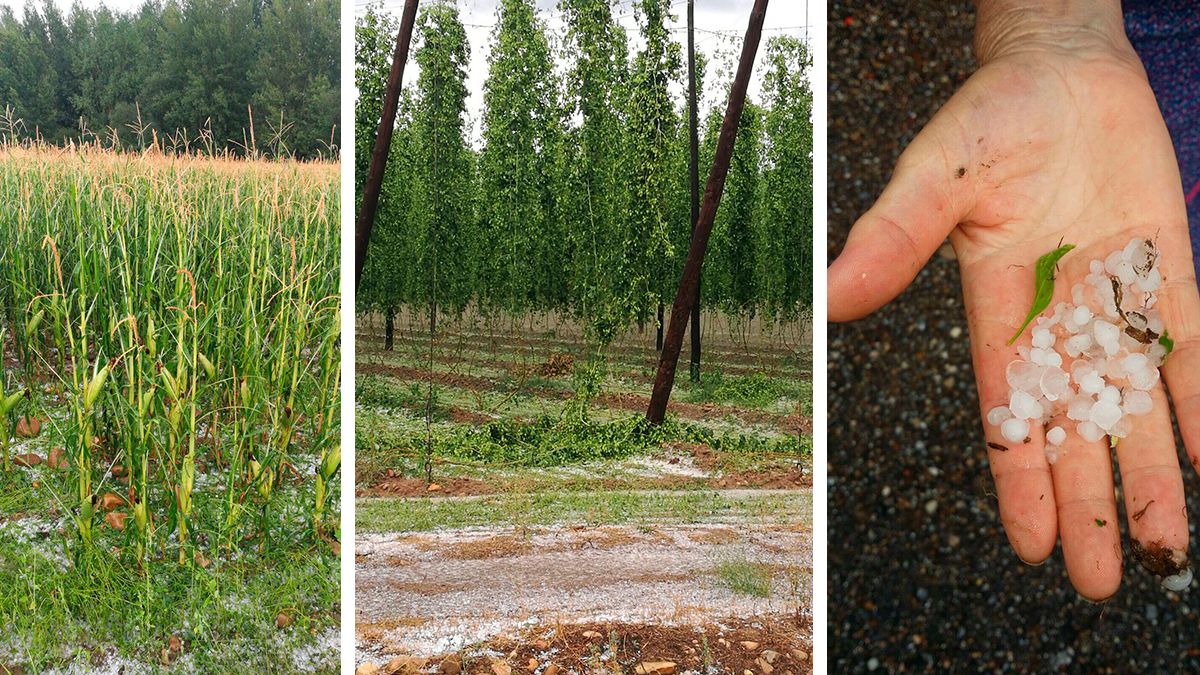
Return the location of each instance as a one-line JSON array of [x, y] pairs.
[[1009, 27]]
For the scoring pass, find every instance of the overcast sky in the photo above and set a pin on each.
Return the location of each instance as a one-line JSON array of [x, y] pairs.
[[720, 27]]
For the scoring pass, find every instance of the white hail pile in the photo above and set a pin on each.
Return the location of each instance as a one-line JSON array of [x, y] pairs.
[[1095, 358]]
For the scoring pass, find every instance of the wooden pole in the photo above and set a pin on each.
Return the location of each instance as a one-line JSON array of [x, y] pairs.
[[690, 281], [383, 142], [694, 177]]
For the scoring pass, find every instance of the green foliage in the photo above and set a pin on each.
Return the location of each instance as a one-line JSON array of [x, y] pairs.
[[1043, 291], [577, 199], [186, 74], [756, 390], [521, 265]]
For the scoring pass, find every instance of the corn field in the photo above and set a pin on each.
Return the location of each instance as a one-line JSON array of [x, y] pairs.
[[169, 329]]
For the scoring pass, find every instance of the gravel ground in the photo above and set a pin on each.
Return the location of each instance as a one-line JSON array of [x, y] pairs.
[[921, 576], [433, 593]]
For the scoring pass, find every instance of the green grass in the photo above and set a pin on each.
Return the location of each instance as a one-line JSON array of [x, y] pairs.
[[580, 508], [745, 577]]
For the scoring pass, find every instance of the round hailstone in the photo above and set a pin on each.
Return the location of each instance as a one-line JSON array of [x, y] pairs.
[[1023, 376], [1091, 383], [1078, 344], [1080, 408], [1137, 402], [1107, 335], [1015, 430], [1077, 296], [1096, 267], [1056, 384], [1110, 394], [1024, 406], [1043, 338], [1105, 414], [1125, 272], [1090, 431], [1081, 314], [1056, 436], [1052, 452], [997, 415], [1145, 378], [1178, 582]]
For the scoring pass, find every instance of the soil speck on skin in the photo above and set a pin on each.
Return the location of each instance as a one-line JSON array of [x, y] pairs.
[[1138, 516], [962, 171], [1157, 559]]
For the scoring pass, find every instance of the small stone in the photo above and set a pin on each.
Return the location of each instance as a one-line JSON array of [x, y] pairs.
[[655, 668], [403, 665], [541, 645], [872, 663], [367, 669], [763, 666], [770, 656], [501, 668], [551, 669], [592, 635], [27, 460], [931, 506], [749, 646], [434, 487], [29, 427], [58, 459], [800, 654]]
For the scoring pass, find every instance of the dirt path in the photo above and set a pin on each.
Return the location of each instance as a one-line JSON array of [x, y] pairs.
[[435, 593]]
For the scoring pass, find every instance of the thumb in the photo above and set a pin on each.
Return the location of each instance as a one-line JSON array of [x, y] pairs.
[[927, 196]]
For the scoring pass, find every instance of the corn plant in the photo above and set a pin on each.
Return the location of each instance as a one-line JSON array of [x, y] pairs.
[[180, 314]]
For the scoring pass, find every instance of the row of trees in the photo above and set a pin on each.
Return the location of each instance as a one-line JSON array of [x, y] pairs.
[[183, 68], [577, 198]]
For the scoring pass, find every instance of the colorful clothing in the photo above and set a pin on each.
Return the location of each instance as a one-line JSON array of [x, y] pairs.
[[1166, 35]]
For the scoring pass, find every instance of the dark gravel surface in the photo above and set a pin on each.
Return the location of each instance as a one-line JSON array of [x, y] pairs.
[[921, 577]]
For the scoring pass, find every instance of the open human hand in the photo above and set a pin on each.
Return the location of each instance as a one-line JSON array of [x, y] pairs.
[[1056, 138]]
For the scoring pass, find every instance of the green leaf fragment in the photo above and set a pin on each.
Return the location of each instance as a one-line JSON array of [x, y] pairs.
[[1101, 523], [1043, 290], [1166, 341]]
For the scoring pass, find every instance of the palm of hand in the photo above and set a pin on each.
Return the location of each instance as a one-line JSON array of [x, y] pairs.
[[1033, 151]]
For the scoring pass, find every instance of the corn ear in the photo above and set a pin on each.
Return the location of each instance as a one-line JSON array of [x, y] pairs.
[[10, 401], [207, 365], [94, 387], [31, 326]]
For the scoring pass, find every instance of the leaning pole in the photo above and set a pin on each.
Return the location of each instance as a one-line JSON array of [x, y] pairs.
[[383, 142], [685, 297]]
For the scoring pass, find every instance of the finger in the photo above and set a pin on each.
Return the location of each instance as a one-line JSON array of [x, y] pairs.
[[994, 293], [1087, 516], [925, 198], [1179, 304], [1153, 488]]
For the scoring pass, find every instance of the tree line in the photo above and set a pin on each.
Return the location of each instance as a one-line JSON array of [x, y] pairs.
[[577, 197], [184, 71]]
